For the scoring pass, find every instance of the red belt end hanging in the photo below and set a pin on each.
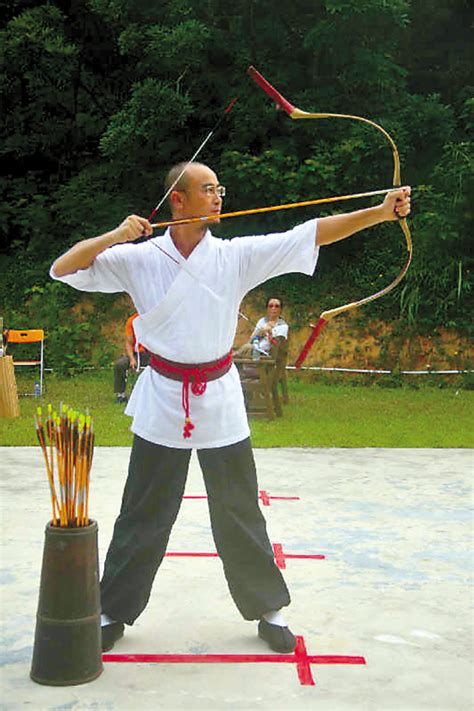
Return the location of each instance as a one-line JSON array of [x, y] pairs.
[[188, 427]]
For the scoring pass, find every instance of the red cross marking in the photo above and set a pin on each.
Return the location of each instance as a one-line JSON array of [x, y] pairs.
[[265, 497], [280, 556], [300, 657]]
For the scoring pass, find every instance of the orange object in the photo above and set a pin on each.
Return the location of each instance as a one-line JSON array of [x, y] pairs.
[[28, 336], [32, 335], [130, 333]]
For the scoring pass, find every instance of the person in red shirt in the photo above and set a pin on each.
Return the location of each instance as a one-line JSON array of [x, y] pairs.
[[133, 358]]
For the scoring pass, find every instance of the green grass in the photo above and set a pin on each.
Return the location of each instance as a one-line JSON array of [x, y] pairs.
[[323, 415], [319, 414]]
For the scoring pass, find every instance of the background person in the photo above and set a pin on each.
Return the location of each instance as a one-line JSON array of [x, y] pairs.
[[272, 328], [128, 361], [269, 331]]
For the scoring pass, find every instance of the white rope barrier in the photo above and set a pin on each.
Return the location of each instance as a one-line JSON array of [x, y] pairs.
[[380, 372], [319, 368]]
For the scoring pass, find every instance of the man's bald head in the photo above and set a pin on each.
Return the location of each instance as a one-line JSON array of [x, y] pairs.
[[183, 181]]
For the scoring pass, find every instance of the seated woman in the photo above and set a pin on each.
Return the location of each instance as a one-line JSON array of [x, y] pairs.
[[269, 338], [272, 328], [270, 331]]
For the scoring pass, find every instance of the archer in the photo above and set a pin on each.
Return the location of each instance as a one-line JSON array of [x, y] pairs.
[[189, 334]]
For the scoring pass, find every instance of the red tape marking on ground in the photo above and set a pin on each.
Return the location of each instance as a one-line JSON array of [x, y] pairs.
[[303, 667], [285, 498], [280, 556], [265, 497], [300, 657], [302, 556]]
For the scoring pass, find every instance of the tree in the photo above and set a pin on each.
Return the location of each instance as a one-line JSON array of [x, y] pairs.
[[102, 96]]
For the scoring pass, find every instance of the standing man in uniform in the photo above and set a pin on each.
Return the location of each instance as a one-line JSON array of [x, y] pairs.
[[190, 396], [135, 356]]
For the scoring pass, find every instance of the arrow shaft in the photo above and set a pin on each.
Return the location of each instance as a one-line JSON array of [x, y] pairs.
[[195, 155], [271, 208]]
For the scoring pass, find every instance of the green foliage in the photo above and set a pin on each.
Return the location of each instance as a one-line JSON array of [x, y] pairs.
[[467, 381], [38, 67], [160, 49], [152, 105], [343, 42], [74, 341], [90, 202], [439, 289], [102, 96]]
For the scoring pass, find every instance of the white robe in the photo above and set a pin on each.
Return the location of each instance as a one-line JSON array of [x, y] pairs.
[[182, 321]]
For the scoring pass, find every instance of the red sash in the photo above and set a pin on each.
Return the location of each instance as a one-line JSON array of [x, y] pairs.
[[199, 374]]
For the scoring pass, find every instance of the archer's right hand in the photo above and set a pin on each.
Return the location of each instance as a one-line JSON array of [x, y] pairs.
[[132, 228]]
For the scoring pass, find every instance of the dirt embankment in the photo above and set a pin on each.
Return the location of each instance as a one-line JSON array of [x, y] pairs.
[[349, 341]]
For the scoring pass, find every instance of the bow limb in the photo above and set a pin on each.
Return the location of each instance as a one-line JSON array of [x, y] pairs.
[[326, 316], [296, 114]]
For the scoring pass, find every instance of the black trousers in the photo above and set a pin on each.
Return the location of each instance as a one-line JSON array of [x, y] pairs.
[[121, 368], [150, 504]]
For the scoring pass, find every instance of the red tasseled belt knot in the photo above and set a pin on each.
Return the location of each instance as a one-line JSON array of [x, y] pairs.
[[198, 374]]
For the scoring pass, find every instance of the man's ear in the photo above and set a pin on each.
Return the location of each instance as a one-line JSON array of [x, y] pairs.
[[176, 198]]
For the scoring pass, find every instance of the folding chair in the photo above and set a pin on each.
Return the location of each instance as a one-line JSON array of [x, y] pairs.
[[25, 337]]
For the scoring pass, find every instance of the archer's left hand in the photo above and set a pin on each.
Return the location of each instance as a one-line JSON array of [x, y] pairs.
[[397, 204]]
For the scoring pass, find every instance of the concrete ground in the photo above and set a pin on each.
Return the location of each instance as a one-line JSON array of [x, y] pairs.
[[392, 592]]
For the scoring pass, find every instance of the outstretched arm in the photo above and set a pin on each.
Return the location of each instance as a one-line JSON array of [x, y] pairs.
[[336, 227], [83, 253]]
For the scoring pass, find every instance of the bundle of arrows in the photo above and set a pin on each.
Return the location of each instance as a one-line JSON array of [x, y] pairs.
[[67, 442]]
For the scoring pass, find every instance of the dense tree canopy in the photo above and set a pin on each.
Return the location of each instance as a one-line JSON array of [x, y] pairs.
[[100, 97]]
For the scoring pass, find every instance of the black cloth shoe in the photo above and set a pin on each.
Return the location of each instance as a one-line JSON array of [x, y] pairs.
[[110, 634], [280, 639], [121, 399]]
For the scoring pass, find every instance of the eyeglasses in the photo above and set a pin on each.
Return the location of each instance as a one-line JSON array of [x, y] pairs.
[[274, 306], [212, 190]]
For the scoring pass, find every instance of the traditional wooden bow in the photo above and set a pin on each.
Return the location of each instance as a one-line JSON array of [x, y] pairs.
[[296, 113]]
